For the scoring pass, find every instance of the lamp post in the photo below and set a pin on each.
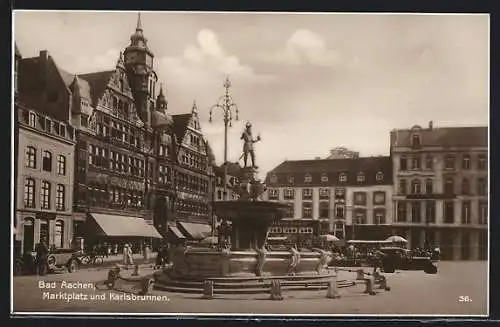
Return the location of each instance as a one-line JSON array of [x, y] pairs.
[[226, 105]]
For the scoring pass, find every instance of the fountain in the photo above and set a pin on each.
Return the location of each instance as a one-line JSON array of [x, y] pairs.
[[245, 257]]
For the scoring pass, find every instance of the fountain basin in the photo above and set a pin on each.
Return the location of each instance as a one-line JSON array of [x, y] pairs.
[[201, 263]]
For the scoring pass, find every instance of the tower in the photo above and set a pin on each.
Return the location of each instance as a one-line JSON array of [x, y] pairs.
[[141, 76], [161, 102]]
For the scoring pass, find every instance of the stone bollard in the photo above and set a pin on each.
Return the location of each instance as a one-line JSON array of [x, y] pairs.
[[276, 290], [333, 290], [369, 283], [360, 274], [113, 275], [208, 290], [136, 270]]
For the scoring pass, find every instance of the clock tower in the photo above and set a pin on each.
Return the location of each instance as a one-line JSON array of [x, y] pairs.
[[141, 76]]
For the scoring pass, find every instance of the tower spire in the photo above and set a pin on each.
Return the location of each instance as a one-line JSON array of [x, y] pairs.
[[139, 25], [194, 110]]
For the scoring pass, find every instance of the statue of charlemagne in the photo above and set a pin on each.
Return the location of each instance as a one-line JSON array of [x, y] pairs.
[[248, 145]]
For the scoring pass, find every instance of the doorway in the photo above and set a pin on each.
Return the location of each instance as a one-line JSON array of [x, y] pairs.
[[28, 235]]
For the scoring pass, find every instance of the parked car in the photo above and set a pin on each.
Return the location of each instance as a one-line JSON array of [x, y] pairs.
[[397, 258], [58, 260]]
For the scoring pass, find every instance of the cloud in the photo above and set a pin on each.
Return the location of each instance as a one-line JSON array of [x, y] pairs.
[[207, 61], [305, 46], [100, 62]]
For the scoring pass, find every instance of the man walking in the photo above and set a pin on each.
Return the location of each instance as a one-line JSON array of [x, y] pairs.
[[42, 251]]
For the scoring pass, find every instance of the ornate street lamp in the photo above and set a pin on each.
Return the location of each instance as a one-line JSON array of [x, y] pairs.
[[227, 106]]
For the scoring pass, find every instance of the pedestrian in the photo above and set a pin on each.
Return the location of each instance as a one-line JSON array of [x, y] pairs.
[[42, 251], [108, 251], [115, 250]]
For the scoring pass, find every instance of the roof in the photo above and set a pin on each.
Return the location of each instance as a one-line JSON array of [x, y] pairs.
[[442, 136], [98, 81], [66, 77], [81, 86], [332, 168], [181, 122]]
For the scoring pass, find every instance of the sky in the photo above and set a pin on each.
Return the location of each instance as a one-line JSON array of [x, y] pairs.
[[306, 82]]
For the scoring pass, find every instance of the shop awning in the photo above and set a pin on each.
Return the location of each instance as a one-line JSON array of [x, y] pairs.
[[196, 231], [114, 225], [174, 230]]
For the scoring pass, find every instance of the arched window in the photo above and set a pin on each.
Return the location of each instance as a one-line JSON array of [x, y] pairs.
[[29, 193], [449, 186], [59, 234], [60, 197], [465, 186], [428, 186], [45, 195], [31, 157], [61, 164], [308, 178], [415, 141], [47, 161], [415, 186]]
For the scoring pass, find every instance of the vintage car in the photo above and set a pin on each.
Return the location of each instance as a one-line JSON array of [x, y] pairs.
[[58, 260], [397, 258]]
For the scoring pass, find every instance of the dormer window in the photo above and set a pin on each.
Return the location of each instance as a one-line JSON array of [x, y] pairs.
[[274, 178], [324, 178], [290, 179], [308, 178], [361, 177], [415, 141], [343, 178], [379, 177]]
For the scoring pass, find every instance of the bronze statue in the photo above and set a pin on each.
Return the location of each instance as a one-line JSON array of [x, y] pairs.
[[248, 145]]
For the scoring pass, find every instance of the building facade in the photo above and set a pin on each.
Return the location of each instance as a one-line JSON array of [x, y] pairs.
[[348, 197], [233, 173], [441, 189], [132, 157]]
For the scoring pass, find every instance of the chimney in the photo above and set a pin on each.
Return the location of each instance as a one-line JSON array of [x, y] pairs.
[[431, 124], [42, 64]]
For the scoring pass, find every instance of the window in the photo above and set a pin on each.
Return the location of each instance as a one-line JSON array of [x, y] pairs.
[[274, 194], [449, 162], [359, 217], [429, 162], [428, 186], [307, 194], [449, 212], [379, 176], [360, 177], [84, 120], [449, 186], [343, 178], [289, 194], [481, 162], [59, 234], [430, 212], [290, 213], [379, 217], [465, 186], [324, 194], [290, 179], [483, 213], [324, 177], [45, 195], [415, 141], [415, 186], [307, 210], [402, 186], [466, 212], [61, 165], [339, 211], [308, 178], [482, 187], [44, 230], [360, 198], [401, 211], [324, 210], [60, 196], [415, 163], [339, 194], [379, 198], [29, 193], [274, 179], [403, 163], [32, 119], [30, 157], [47, 161], [466, 161], [416, 212]]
